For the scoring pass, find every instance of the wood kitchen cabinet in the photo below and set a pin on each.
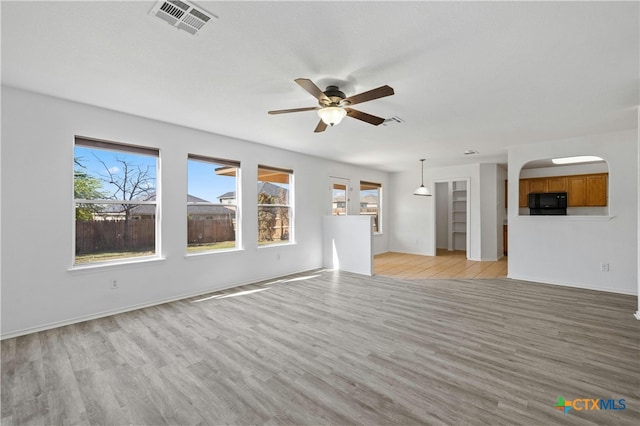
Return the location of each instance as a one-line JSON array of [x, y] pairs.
[[538, 185], [582, 190], [587, 190], [557, 184], [523, 192], [597, 190], [576, 191]]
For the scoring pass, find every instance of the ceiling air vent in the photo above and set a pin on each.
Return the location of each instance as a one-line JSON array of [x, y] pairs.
[[182, 15], [393, 120]]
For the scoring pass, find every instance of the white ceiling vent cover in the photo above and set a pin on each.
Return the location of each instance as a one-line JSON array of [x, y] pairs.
[[183, 15]]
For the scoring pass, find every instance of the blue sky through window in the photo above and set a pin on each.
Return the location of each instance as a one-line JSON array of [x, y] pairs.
[[98, 163], [205, 183]]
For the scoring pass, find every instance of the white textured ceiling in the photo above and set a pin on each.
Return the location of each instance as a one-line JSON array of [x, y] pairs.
[[467, 75]]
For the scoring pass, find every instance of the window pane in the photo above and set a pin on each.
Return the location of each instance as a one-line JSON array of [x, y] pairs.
[[274, 210], [211, 204], [114, 231], [273, 224], [115, 193], [370, 202]]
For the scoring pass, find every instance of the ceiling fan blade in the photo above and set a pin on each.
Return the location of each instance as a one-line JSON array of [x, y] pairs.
[[321, 127], [311, 87], [380, 92], [285, 111], [363, 116]]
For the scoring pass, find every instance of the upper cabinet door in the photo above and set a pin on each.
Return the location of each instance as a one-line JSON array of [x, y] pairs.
[[538, 185], [576, 191], [557, 184], [596, 190]]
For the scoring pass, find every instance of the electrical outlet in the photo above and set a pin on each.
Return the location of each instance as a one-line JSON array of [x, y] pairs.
[[604, 267], [113, 284]]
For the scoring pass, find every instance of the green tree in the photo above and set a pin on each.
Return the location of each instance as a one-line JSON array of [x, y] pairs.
[[266, 217], [85, 187]]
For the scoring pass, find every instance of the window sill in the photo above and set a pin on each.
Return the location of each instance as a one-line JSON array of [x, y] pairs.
[[265, 246], [116, 264], [195, 255]]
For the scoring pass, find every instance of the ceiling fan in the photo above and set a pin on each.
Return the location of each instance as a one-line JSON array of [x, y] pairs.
[[333, 105]]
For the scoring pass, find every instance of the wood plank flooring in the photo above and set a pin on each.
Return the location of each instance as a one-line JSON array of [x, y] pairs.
[[446, 264], [336, 348]]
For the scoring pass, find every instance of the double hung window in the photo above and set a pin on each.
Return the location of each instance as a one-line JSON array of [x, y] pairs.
[[275, 212], [212, 204], [370, 196], [116, 201]]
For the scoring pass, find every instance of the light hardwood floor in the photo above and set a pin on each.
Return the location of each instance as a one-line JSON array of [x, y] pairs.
[[446, 264], [336, 348]]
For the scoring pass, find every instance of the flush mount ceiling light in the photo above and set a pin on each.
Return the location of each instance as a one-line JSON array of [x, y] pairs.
[[578, 159], [422, 190], [332, 115]]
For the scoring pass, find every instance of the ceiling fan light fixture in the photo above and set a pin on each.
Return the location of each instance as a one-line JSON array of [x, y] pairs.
[[422, 190], [332, 115]]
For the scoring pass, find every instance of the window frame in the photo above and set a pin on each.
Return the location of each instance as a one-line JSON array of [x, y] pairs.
[[338, 182], [117, 147], [367, 187], [238, 214], [289, 206]]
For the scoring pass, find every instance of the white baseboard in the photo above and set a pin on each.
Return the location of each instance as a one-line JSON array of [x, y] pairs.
[[637, 315], [574, 285], [56, 324]]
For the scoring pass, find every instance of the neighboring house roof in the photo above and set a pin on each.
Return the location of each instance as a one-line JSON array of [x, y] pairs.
[[193, 207], [263, 187], [207, 209], [270, 189], [227, 196], [194, 199], [369, 199]]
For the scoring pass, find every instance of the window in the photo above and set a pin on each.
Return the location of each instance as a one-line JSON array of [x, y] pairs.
[[339, 196], [370, 202], [275, 214], [115, 197], [212, 207]]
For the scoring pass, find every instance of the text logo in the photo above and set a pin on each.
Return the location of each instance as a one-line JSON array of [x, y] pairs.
[[589, 404]]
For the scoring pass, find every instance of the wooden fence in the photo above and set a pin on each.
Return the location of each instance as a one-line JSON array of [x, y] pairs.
[[203, 231], [100, 236], [97, 236]]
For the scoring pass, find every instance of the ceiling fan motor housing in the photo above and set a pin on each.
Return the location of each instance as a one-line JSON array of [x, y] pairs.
[[336, 97]]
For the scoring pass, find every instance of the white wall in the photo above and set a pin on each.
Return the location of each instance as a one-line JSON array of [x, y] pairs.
[[489, 207], [440, 191], [569, 250], [413, 217], [638, 213], [39, 289], [501, 212], [347, 243]]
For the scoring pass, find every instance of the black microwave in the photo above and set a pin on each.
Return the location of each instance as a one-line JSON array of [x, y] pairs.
[[548, 203]]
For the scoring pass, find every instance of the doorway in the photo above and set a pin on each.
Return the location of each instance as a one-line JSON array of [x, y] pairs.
[[451, 215]]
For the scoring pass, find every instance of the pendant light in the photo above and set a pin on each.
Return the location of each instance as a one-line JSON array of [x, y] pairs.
[[422, 190]]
